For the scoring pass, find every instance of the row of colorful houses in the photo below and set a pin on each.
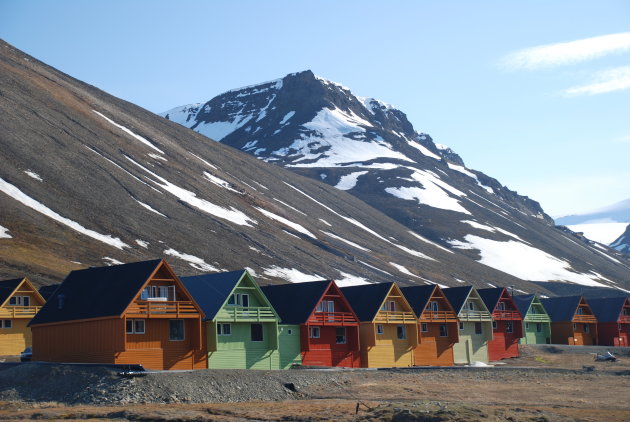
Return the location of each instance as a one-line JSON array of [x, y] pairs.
[[143, 313]]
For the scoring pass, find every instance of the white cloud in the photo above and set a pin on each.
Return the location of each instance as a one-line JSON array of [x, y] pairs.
[[610, 80], [565, 53]]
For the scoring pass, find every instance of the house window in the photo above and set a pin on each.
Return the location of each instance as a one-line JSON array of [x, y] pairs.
[[539, 327], [471, 306], [527, 325], [240, 299], [443, 330], [135, 326], [461, 325], [587, 328], [314, 331], [509, 327], [392, 306], [501, 306], [574, 326], [176, 329], [7, 323], [580, 311], [20, 301], [224, 329], [289, 331], [256, 332], [379, 329], [340, 335], [478, 329], [331, 306], [424, 327], [494, 325], [158, 293], [433, 306], [401, 332]]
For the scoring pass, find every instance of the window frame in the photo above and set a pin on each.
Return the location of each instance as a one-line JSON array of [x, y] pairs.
[[401, 332], [380, 329], [461, 326], [133, 330], [495, 325], [343, 337], [478, 328], [312, 330], [424, 327], [251, 332], [170, 331], [509, 327], [445, 327], [9, 325]]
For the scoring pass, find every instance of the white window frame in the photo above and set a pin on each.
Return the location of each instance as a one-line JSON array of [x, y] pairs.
[[19, 300], [539, 327], [433, 306], [380, 329], [7, 323], [494, 325], [501, 306], [445, 330], [221, 329], [527, 325], [424, 327], [401, 329], [471, 305], [461, 326], [314, 330], [134, 327], [289, 331]]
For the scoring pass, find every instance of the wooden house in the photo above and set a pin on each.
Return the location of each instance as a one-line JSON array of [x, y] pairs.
[[388, 330], [536, 321], [572, 321], [241, 325], [19, 302], [507, 323], [474, 327], [137, 313], [329, 328], [613, 320], [437, 325]]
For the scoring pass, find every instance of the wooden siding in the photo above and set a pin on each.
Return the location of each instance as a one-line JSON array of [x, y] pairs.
[[503, 344], [386, 350], [15, 339], [532, 335], [613, 334], [289, 346], [324, 351], [434, 349], [563, 333], [238, 351], [472, 347]]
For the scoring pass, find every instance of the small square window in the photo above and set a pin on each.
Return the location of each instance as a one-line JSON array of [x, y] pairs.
[[8, 323], [314, 331], [129, 326], [380, 329], [289, 331], [424, 327], [138, 326], [176, 329]]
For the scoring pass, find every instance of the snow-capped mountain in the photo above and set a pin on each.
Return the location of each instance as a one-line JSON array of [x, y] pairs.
[[88, 179], [604, 225], [622, 243], [320, 129]]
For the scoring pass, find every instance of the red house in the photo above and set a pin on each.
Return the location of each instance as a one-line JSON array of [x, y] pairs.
[[507, 323], [329, 328], [613, 320]]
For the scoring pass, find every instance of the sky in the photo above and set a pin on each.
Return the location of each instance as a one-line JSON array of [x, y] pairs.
[[533, 93]]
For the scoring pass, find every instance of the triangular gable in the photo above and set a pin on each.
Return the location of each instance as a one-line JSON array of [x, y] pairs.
[[609, 309], [334, 290], [12, 287], [459, 296], [407, 305], [163, 265], [367, 299], [434, 296], [295, 302], [562, 309], [583, 304]]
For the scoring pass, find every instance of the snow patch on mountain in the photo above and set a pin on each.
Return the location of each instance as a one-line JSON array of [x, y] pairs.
[[34, 175], [142, 243], [193, 261], [219, 182], [147, 206], [468, 173], [403, 269], [129, 132], [350, 280], [292, 275], [4, 233], [424, 239], [424, 150], [524, 261], [294, 226], [24, 199], [111, 261], [334, 236], [604, 231], [349, 181], [491, 229]]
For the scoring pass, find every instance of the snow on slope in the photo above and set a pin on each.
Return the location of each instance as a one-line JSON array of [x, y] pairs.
[[4, 233], [605, 233]]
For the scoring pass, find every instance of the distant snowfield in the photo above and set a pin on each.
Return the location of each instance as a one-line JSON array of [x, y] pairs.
[[605, 233], [193, 261], [525, 262], [349, 181], [350, 280], [4, 233], [290, 274], [24, 199]]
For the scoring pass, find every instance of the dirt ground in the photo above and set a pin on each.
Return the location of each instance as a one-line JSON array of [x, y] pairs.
[[542, 385]]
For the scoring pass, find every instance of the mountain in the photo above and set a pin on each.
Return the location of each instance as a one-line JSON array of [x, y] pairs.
[[603, 225], [88, 179], [622, 244], [320, 129]]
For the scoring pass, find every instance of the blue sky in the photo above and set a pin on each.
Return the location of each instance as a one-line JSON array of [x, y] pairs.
[[485, 77]]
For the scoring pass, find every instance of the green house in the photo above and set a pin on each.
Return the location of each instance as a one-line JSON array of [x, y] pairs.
[[475, 325], [241, 325], [536, 321]]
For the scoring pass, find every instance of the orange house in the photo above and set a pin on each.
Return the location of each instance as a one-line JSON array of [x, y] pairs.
[[437, 325], [572, 321], [137, 313]]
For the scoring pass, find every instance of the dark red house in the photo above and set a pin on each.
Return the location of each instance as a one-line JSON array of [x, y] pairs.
[[613, 320], [507, 323], [329, 328]]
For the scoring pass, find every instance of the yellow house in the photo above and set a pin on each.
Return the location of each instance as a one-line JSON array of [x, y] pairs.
[[389, 327], [19, 302]]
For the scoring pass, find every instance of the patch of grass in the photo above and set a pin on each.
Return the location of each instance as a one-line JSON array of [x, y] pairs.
[[541, 359]]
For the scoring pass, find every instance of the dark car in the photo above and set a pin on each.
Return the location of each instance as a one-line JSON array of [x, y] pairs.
[[26, 355]]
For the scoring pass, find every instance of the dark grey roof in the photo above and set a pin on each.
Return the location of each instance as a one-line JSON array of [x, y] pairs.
[[457, 296], [491, 296], [561, 309], [523, 302], [7, 287], [47, 291], [418, 296], [210, 291], [366, 299], [607, 309], [96, 292], [295, 302]]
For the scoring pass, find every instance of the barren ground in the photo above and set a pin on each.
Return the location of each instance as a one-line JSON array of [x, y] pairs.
[[546, 384]]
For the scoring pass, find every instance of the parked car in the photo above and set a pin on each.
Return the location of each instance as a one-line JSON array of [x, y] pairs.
[[26, 355]]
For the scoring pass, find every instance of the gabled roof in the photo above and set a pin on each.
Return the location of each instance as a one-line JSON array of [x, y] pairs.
[[211, 291], [7, 287], [366, 299], [561, 309], [96, 292], [523, 302], [457, 296], [607, 309], [491, 296], [47, 291], [295, 302], [418, 296]]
